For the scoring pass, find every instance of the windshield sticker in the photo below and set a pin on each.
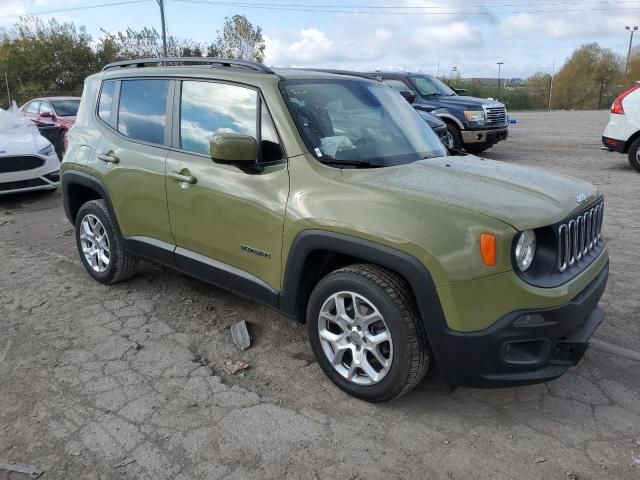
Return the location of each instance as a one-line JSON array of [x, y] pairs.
[[318, 152]]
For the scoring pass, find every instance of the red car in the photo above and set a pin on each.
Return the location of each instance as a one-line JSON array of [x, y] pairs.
[[54, 116]]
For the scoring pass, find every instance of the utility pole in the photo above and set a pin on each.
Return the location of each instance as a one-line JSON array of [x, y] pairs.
[[632, 30], [6, 79], [164, 27], [499, 68], [553, 72]]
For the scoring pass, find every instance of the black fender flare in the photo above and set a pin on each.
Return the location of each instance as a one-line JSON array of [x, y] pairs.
[[70, 178], [408, 266]]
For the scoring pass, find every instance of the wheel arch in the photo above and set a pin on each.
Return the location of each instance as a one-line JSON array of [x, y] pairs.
[[629, 142], [79, 188], [314, 253]]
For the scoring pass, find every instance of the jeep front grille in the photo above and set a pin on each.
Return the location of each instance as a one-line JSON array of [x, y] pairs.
[[496, 115], [20, 163], [579, 236]]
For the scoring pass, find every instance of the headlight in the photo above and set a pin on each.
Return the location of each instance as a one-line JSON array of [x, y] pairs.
[[48, 150], [476, 116], [525, 250]]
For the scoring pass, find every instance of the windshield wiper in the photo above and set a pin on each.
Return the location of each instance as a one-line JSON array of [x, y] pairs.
[[349, 163]]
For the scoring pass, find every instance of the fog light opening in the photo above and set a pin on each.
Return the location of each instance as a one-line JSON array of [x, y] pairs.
[[529, 320]]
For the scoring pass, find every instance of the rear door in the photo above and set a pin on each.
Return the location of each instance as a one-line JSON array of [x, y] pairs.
[[130, 155], [230, 215]]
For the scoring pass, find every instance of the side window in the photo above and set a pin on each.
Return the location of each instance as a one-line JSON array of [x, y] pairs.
[[207, 108], [142, 109], [396, 84], [106, 100], [33, 107], [270, 150], [45, 107]]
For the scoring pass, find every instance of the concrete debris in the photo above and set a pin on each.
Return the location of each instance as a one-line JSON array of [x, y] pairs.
[[240, 335], [232, 367]]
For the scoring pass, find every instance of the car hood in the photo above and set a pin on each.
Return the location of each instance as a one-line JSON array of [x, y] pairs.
[[21, 142], [461, 101], [66, 122], [522, 197], [433, 121]]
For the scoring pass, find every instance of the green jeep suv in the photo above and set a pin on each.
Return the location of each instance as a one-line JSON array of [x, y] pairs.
[[326, 197]]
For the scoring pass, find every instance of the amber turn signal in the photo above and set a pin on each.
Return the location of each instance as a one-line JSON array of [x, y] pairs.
[[488, 248]]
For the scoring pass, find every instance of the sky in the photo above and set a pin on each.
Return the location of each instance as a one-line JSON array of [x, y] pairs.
[[528, 36]]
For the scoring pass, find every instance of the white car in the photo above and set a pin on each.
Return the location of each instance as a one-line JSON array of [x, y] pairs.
[[28, 161], [622, 133]]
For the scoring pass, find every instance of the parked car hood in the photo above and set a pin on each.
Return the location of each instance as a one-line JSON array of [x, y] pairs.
[[523, 197], [433, 121], [21, 142], [459, 101]]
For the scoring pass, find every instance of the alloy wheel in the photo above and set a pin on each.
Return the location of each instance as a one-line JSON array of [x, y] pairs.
[[355, 338], [95, 243]]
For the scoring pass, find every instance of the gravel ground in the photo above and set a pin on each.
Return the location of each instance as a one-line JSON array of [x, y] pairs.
[[126, 381]]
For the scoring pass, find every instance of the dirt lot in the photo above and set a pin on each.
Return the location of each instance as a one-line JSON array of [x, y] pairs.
[[126, 381]]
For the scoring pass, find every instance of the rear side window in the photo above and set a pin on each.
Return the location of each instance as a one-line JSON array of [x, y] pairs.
[[396, 84], [45, 108], [207, 108], [33, 107], [106, 100], [142, 109]]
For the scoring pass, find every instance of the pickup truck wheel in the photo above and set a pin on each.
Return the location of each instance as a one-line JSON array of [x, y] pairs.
[[366, 333], [99, 247], [455, 135], [634, 154]]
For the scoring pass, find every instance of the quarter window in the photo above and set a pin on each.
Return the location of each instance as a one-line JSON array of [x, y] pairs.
[[142, 110], [45, 108], [106, 100], [208, 108]]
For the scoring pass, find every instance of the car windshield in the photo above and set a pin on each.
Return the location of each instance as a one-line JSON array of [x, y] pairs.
[[430, 86], [66, 108], [358, 123]]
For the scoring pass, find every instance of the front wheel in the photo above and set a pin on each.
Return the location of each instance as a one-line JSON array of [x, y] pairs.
[[366, 333], [456, 137], [634, 154]]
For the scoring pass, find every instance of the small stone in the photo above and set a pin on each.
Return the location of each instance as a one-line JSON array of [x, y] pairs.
[[446, 442], [540, 460]]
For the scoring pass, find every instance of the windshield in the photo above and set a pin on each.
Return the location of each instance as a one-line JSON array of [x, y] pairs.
[[66, 108], [357, 122], [428, 86]]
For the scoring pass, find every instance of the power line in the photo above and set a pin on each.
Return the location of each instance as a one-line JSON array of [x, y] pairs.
[[368, 11], [73, 9]]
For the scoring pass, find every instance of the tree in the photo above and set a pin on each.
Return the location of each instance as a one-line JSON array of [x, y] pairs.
[[582, 79], [43, 58], [143, 43], [239, 39]]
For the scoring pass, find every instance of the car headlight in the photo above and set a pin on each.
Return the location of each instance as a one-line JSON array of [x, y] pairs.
[[48, 150], [476, 116], [525, 250]]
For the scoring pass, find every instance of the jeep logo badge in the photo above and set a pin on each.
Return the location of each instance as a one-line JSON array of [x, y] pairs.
[[581, 198]]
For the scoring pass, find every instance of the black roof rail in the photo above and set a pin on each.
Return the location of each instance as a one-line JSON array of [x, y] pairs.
[[368, 76], [222, 62]]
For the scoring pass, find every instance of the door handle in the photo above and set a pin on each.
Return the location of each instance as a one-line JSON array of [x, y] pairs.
[[108, 158], [178, 177]]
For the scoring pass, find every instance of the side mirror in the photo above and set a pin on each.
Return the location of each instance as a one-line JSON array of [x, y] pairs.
[[46, 115], [460, 91], [233, 148], [408, 95]]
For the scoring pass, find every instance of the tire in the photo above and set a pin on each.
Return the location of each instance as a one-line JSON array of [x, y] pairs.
[[634, 155], [94, 217], [386, 299], [455, 135], [477, 148]]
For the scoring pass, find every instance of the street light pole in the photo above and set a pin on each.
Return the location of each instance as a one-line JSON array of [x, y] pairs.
[[632, 30], [164, 27], [499, 68]]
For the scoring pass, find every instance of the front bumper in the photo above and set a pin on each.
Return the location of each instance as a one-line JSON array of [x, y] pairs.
[[486, 137], [517, 351]]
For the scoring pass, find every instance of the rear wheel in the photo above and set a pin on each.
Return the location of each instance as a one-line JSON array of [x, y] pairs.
[[634, 154], [366, 333], [99, 247]]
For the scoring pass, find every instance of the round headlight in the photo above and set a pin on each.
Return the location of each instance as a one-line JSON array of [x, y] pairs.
[[525, 250]]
